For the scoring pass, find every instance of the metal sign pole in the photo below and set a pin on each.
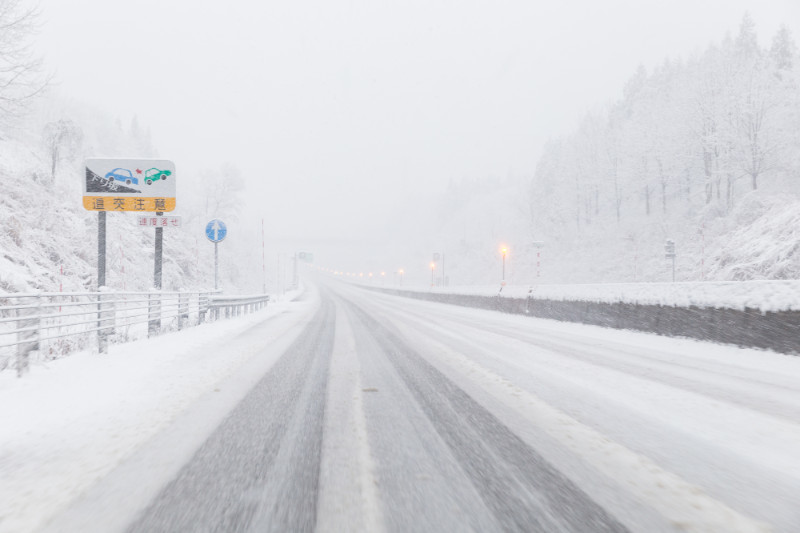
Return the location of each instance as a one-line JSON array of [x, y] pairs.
[[216, 266], [101, 249], [159, 255], [102, 346]]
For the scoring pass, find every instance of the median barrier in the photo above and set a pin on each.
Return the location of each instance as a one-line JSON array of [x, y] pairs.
[[772, 330]]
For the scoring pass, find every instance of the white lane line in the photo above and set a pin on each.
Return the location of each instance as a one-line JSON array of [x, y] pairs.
[[348, 500]]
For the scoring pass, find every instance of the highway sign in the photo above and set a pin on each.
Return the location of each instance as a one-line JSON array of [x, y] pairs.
[[129, 185], [216, 230], [155, 221]]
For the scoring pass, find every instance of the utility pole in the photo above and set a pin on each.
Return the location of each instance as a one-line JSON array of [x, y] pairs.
[[263, 260]]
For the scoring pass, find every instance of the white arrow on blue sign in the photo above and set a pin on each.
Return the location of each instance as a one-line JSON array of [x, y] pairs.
[[216, 230]]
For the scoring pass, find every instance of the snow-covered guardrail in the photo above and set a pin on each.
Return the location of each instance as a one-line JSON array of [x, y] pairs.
[[230, 306], [53, 324], [758, 314]]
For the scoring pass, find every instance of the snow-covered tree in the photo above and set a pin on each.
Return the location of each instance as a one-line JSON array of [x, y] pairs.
[[62, 140], [20, 69]]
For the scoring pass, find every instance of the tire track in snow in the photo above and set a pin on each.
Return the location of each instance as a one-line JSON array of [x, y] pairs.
[[260, 469], [524, 492]]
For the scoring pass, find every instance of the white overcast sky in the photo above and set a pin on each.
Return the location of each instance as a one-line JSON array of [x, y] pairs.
[[335, 109]]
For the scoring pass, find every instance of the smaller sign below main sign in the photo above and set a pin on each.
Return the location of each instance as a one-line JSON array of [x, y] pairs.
[[216, 230], [146, 221]]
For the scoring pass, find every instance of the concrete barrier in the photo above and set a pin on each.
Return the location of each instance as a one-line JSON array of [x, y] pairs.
[[777, 331]]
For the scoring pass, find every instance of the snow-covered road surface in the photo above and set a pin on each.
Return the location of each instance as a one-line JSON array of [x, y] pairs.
[[370, 412]]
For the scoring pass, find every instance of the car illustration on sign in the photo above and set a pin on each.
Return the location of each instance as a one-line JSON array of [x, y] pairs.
[[154, 174], [122, 174]]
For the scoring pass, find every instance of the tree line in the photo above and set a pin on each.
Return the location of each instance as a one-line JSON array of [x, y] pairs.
[[690, 137]]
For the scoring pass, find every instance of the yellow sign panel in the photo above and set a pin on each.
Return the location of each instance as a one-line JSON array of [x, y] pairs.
[[128, 203]]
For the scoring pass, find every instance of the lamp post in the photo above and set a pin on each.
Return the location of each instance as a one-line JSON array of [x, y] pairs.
[[433, 267], [401, 272], [504, 251]]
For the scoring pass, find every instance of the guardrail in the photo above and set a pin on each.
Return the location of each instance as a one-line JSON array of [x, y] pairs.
[[49, 325]]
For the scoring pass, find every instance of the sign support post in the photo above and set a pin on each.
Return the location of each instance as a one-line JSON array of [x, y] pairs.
[[101, 249], [159, 254], [216, 230], [154, 326], [102, 342]]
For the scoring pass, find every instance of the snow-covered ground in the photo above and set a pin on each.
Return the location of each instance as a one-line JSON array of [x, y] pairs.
[[665, 434], [774, 295], [69, 422]]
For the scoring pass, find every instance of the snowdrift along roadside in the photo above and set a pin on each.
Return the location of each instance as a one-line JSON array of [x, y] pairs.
[[72, 421]]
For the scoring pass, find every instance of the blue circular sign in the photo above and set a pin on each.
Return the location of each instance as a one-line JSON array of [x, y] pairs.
[[216, 230]]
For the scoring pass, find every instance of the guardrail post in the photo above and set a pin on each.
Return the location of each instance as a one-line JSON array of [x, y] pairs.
[[153, 314], [28, 334], [202, 307], [180, 310], [106, 320]]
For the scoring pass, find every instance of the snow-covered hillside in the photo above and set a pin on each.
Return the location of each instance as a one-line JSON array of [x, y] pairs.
[[49, 242]]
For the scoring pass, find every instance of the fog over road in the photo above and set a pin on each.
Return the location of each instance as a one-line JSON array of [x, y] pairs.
[[401, 415]]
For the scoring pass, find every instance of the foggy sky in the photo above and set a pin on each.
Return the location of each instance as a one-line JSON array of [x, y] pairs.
[[336, 110]]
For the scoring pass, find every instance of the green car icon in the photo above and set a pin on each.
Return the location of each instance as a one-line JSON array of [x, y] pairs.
[[154, 175]]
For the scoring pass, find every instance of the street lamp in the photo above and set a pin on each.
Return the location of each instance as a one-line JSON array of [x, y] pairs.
[[401, 272], [504, 251], [433, 267]]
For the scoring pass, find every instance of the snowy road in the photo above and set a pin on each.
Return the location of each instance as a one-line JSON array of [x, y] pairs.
[[400, 415]]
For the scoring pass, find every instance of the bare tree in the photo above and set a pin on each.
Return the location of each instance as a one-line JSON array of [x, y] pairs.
[[62, 140], [20, 69], [223, 188]]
